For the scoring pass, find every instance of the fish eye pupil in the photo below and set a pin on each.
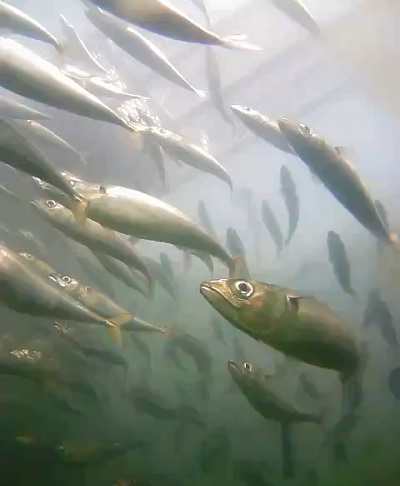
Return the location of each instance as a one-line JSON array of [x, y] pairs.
[[51, 204], [247, 366], [243, 287]]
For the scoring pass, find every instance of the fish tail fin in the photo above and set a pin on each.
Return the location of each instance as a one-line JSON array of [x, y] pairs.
[[238, 41], [114, 327], [287, 451], [79, 210], [352, 392]]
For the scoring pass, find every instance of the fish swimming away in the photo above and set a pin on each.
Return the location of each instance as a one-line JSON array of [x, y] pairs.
[[27, 74], [216, 325], [138, 46], [10, 108], [205, 219], [161, 17], [16, 21], [75, 49], [21, 154], [50, 138], [137, 214], [193, 155], [40, 266], [291, 199], [262, 127], [236, 247], [162, 277], [156, 154], [204, 257], [148, 402], [297, 325], [338, 175], [394, 383], [377, 312], [340, 262], [144, 350], [27, 292], [254, 386], [271, 223], [167, 265], [92, 235], [297, 12], [122, 272], [136, 324]]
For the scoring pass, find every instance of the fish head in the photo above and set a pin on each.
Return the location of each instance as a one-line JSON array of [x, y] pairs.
[[332, 237], [50, 208], [300, 137], [251, 118], [246, 376], [252, 307]]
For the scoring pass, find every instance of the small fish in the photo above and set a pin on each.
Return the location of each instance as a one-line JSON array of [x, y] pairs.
[[394, 383], [75, 49], [167, 265], [162, 276], [340, 262], [188, 153], [296, 11], [204, 257], [17, 111], [205, 220], [272, 225], [156, 154], [118, 208], [289, 193], [217, 328], [40, 266], [138, 46], [92, 235], [338, 175], [254, 386], [215, 452], [262, 127], [27, 74], [378, 313], [50, 138], [161, 17], [145, 401], [27, 292], [236, 247], [18, 22], [140, 325], [311, 332], [122, 272], [383, 214], [144, 349]]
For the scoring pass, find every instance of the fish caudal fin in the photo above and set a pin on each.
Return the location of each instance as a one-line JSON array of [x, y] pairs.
[[239, 41]]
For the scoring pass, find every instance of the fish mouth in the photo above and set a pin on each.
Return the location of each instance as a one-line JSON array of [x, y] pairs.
[[211, 294]]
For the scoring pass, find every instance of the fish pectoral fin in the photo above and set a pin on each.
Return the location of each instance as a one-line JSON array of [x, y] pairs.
[[342, 151], [114, 327], [79, 210], [293, 302]]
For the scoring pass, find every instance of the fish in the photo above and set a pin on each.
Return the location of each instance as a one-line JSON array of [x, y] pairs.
[[27, 74], [309, 388], [394, 383], [25, 291], [162, 277], [136, 324], [144, 349], [205, 219], [91, 298], [122, 272], [195, 349], [216, 325], [50, 138], [161, 17], [338, 175], [384, 216], [291, 199], [235, 246], [262, 127], [190, 154], [40, 266], [145, 401], [140, 215], [215, 451], [10, 108], [75, 49], [340, 262], [92, 235], [204, 257], [298, 325], [297, 12], [167, 265], [138, 46], [16, 21], [156, 154], [254, 386], [377, 312], [22, 154], [271, 223]]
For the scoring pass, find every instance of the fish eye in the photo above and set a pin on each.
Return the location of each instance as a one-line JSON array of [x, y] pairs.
[[51, 204], [245, 289], [247, 366], [66, 279]]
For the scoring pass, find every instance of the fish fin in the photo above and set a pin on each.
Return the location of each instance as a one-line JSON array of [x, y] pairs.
[[342, 151], [79, 209], [201, 93], [237, 262], [114, 327], [239, 41], [293, 301], [352, 392]]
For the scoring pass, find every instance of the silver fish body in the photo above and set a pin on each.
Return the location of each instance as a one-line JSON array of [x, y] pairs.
[[10, 108]]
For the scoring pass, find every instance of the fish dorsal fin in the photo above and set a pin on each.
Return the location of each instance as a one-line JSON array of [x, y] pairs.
[[293, 301], [341, 151]]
